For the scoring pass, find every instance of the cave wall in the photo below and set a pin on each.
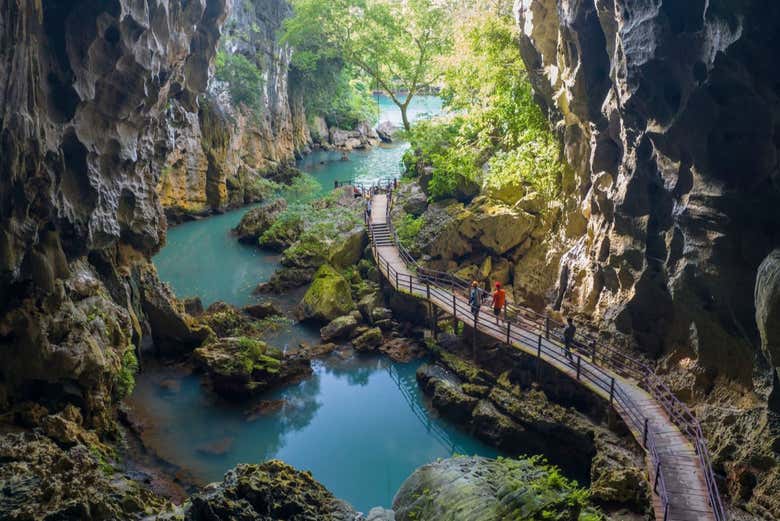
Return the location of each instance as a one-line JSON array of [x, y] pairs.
[[219, 151], [84, 87], [669, 116]]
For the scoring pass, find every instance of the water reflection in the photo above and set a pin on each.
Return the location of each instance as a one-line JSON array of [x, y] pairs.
[[360, 425]]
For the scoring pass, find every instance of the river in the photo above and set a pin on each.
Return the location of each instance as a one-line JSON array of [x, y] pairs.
[[359, 424]]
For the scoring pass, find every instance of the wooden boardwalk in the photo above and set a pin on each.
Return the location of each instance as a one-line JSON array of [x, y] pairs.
[[682, 493]]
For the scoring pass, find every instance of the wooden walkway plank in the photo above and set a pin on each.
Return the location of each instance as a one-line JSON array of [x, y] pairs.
[[681, 467]]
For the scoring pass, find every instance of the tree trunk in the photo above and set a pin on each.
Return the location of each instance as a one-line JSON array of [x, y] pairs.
[[404, 117]]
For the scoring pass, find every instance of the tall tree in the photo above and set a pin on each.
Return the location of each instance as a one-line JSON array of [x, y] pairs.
[[394, 42]]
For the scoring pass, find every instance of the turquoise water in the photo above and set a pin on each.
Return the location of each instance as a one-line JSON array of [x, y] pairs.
[[201, 258], [358, 425]]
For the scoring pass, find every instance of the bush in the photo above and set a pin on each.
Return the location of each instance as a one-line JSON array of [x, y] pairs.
[[408, 229], [243, 77]]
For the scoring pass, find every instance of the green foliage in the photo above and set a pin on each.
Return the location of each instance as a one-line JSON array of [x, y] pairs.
[[126, 377], [501, 138], [352, 103], [243, 77], [408, 229], [393, 43]]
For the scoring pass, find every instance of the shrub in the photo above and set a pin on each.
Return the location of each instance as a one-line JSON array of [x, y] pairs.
[[243, 77], [408, 229]]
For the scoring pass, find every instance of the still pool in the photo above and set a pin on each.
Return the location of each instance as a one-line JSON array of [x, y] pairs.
[[359, 425]]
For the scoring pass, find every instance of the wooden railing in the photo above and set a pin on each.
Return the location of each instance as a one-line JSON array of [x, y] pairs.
[[530, 328]]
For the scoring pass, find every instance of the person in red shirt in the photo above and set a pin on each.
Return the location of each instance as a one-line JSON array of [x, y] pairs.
[[499, 300]]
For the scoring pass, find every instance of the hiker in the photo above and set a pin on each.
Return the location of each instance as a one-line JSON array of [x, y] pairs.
[[568, 337], [499, 300], [344, 156], [474, 298], [368, 208], [356, 192]]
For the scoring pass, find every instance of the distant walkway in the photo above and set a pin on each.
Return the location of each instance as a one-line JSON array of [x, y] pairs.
[[677, 459]]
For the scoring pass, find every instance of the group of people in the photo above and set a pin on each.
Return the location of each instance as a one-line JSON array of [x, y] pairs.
[[498, 303]]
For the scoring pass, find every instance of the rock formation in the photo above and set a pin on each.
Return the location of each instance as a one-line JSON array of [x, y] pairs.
[[668, 115], [84, 89], [221, 152]]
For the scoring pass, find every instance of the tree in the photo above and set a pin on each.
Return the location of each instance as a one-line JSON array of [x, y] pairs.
[[394, 42]]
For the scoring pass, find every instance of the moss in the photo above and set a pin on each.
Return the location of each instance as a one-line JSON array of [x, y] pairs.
[[126, 377], [328, 297], [254, 355], [464, 369]]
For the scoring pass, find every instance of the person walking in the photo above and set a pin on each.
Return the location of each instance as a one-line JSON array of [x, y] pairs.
[[368, 208], [474, 298], [499, 301], [568, 337]]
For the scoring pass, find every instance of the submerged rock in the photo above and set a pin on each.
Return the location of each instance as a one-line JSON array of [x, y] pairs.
[[328, 297], [489, 490], [262, 310], [403, 349], [272, 491]]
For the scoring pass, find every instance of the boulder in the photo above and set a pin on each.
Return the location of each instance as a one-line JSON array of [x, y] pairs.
[[497, 227], [262, 310], [367, 304], [348, 248], [328, 297], [386, 130], [489, 490], [240, 367], [272, 490], [285, 279], [368, 340], [338, 328], [380, 313], [402, 349], [257, 220]]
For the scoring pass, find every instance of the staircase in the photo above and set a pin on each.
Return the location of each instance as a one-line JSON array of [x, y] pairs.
[[380, 234]]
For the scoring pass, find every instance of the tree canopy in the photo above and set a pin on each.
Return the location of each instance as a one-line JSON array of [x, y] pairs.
[[394, 43]]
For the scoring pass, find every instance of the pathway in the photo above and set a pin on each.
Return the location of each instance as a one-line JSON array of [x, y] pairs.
[[684, 488]]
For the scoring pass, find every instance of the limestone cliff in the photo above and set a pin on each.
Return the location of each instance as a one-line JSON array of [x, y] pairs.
[[668, 113], [84, 87], [221, 149]]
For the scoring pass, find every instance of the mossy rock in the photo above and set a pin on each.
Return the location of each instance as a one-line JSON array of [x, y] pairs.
[[238, 367], [491, 490], [272, 490], [348, 249], [369, 340], [328, 297], [466, 371]]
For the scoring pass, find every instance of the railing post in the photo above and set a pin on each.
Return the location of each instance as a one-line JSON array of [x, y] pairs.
[[428, 291], [666, 511], [644, 435], [611, 390], [539, 359], [410, 284], [454, 309], [593, 351], [578, 366], [396, 280], [657, 473], [508, 326], [547, 327]]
